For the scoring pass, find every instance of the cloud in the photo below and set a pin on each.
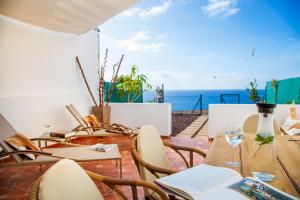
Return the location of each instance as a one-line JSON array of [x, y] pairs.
[[140, 41], [230, 76], [221, 8], [169, 75], [131, 12], [152, 11], [154, 47], [162, 36]]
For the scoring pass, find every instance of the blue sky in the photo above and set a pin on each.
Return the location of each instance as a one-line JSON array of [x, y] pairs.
[[206, 44]]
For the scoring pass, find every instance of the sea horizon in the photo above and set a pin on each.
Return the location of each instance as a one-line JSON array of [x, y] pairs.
[[182, 100]]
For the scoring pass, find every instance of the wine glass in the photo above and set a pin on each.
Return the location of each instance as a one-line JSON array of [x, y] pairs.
[[234, 136]]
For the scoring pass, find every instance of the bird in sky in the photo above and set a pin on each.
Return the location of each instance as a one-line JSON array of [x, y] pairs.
[[253, 52]]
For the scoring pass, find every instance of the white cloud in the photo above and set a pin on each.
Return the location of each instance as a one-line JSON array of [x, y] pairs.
[[221, 7], [230, 76], [154, 47], [140, 41], [169, 75], [162, 36], [131, 12], [152, 11]]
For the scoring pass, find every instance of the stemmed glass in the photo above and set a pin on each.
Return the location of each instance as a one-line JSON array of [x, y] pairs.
[[234, 136]]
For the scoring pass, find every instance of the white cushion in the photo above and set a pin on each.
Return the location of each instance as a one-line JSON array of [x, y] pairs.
[[67, 180], [152, 150]]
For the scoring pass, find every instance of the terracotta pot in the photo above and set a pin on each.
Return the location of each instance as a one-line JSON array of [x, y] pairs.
[[102, 113]]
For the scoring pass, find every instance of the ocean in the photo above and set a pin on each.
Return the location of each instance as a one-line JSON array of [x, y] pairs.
[[186, 99]]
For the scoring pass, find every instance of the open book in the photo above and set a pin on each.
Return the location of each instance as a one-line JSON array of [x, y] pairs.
[[214, 183]]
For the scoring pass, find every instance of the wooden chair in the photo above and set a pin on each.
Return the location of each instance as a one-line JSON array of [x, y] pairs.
[[148, 151], [296, 126], [285, 131], [67, 180], [250, 125], [79, 153]]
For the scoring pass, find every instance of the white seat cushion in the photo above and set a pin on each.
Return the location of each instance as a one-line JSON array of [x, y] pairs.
[[67, 180]]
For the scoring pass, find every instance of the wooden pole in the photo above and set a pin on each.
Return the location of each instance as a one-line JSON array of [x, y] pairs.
[[114, 81], [86, 83]]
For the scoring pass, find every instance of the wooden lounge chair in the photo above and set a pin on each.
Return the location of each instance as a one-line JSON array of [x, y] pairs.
[[75, 152], [85, 130], [250, 125], [148, 151], [285, 131], [67, 180]]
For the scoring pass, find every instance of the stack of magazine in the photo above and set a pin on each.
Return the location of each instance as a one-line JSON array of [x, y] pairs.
[[215, 183]]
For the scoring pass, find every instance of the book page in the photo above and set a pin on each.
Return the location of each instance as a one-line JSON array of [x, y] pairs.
[[196, 180]]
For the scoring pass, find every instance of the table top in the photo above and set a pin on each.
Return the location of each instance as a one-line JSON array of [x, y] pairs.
[[287, 166], [85, 153]]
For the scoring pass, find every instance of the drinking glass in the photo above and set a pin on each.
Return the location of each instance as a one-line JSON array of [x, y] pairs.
[[234, 136]]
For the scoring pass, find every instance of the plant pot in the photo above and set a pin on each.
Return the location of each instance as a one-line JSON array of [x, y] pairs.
[[102, 113]]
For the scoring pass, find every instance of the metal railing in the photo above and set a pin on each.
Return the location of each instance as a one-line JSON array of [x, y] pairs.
[[200, 103], [222, 100]]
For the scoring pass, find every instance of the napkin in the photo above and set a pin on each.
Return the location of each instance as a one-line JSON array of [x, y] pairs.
[[101, 147]]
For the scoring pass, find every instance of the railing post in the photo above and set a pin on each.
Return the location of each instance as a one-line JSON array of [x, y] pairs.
[[201, 104]]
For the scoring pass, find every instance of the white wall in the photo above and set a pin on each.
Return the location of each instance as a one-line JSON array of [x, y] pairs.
[[139, 114], [39, 75], [221, 114]]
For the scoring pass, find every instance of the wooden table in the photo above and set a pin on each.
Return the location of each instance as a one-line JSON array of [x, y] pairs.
[[287, 166]]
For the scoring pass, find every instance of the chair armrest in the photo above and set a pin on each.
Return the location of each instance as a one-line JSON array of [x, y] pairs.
[[185, 148], [283, 131], [191, 150], [25, 152], [92, 127], [112, 182], [57, 141]]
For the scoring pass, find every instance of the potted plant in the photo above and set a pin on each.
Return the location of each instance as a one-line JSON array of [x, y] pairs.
[[275, 87], [133, 85], [102, 111], [253, 92]]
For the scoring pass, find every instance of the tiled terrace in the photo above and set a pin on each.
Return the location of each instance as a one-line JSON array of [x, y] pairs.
[[15, 182]]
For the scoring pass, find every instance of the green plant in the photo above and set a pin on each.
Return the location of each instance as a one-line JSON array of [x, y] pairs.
[[253, 92], [132, 85], [275, 86], [291, 101], [264, 140], [151, 101]]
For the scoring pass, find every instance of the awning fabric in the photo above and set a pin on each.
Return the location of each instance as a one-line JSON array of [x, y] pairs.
[[68, 16]]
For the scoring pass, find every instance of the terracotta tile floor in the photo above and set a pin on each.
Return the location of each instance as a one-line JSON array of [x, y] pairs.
[[15, 182]]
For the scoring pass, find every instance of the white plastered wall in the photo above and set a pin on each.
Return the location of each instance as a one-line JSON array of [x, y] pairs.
[[39, 75], [221, 114], [140, 114]]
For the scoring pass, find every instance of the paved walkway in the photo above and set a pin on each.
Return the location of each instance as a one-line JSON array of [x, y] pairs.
[[198, 129]]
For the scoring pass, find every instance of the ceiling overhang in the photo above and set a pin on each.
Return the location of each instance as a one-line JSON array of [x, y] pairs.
[[68, 16]]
